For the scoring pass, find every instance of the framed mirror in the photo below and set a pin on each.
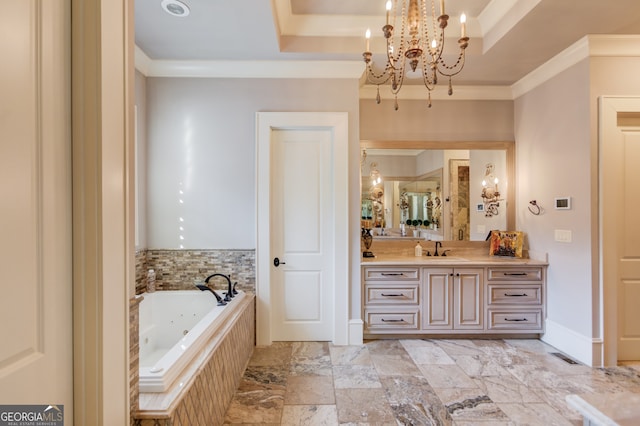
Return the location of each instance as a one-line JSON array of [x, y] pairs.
[[438, 190]]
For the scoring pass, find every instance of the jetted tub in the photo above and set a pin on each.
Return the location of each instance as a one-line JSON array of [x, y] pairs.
[[174, 327]]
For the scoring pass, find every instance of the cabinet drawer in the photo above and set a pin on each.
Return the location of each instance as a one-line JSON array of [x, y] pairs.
[[398, 320], [402, 295], [515, 295], [512, 273], [391, 274], [515, 319]]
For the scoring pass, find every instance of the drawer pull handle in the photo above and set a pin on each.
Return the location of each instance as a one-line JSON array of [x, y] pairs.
[[392, 274], [392, 320], [516, 319], [514, 274], [515, 295], [393, 295]]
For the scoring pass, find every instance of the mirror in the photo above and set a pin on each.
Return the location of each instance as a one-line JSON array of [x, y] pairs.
[[437, 190]]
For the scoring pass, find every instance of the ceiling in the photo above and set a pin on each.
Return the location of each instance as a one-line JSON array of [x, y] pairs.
[[509, 38]]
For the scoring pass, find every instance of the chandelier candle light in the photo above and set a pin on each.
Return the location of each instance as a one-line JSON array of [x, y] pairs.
[[420, 40]]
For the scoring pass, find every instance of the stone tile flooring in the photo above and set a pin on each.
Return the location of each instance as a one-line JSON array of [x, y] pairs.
[[417, 382]]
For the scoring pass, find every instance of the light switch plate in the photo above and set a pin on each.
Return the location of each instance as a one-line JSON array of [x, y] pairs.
[[563, 235]]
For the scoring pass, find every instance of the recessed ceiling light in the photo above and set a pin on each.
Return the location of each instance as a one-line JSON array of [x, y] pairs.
[[175, 8]]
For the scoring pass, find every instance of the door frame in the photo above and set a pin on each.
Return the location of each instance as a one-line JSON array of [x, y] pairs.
[[266, 123], [609, 130]]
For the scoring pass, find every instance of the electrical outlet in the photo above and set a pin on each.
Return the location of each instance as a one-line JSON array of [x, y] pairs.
[[563, 235], [481, 229]]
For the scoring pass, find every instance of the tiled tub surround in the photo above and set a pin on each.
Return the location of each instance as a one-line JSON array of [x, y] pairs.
[[134, 348], [202, 393], [182, 269]]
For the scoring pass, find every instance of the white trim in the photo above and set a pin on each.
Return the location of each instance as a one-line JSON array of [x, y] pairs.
[[608, 232], [356, 332], [419, 92], [500, 17], [582, 348], [247, 69], [265, 123], [559, 63], [143, 63], [588, 46]]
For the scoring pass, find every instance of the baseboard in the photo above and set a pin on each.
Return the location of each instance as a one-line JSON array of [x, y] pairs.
[[585, 349], [356, 328]]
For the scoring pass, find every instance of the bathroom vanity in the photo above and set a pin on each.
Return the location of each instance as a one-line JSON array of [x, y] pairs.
[[474, 294]]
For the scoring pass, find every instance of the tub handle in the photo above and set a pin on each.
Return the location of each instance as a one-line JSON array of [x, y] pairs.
[[276, 262]]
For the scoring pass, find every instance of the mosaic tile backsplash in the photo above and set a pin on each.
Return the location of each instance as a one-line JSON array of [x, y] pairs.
[[182, 269]]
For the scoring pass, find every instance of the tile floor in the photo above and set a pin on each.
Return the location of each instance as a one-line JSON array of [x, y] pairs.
[[417, 382]]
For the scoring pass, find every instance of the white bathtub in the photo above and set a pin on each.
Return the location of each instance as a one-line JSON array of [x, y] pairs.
[[174, 327]]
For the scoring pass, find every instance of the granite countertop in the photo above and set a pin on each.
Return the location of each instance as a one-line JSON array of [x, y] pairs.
[[458, 253], [450, 259]]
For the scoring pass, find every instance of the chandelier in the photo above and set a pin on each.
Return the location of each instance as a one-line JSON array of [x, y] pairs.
[[420, 42]]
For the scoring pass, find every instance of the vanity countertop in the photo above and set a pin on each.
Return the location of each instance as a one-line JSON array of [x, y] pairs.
[[459, 253], [449, 260]]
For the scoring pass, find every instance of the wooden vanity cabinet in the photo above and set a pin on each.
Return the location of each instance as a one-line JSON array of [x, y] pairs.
[[454, 300], [515, 299], [391, 299]]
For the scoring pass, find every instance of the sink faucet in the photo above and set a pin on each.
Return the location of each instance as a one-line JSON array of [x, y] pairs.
[[438, 243], [204, 287], [230, 293]]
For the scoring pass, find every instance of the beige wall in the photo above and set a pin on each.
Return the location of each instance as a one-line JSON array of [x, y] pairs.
[[446, 120], [556, 129], [141, 159], [552, 160]]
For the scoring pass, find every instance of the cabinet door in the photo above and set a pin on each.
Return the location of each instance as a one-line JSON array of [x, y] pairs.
[[468, 303], [437, 299]]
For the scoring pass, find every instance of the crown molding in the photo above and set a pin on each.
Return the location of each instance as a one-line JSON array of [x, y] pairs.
[[586, 47], [554, 66], [247, 69], [460, 93]]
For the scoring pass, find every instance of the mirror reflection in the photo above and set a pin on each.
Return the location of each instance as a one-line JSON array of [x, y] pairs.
[[435, 194]]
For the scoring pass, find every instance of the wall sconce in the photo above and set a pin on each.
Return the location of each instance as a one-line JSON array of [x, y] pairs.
[[490, 193], [376, 193]]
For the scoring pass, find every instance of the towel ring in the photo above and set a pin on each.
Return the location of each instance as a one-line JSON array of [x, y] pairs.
[[534, 208]]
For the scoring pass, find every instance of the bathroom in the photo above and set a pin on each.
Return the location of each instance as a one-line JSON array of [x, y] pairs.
[[199, 138], [197, 182], [552, 115]]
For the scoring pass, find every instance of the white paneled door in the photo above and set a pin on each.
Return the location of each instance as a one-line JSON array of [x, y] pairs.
[[36, 353], [302, 224], [620, 233], [301, 286], [629, 249]]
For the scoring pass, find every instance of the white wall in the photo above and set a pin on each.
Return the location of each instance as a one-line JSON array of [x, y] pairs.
[[201, 153]]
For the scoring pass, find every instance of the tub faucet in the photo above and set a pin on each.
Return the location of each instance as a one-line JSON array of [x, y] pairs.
[[229, 294], [204, 287]]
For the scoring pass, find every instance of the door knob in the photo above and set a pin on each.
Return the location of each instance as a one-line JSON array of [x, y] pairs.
[[276, 262]]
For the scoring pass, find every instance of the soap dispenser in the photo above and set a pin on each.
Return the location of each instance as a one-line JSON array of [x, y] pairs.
[[418, 249]]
